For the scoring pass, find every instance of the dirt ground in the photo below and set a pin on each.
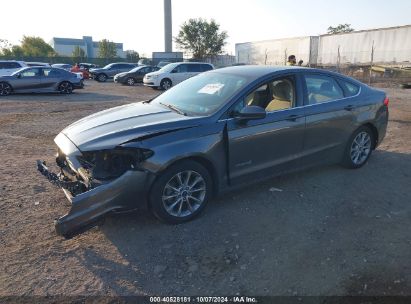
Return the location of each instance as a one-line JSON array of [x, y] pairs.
[[330, 231]]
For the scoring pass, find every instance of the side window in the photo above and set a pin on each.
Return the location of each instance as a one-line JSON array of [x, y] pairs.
[[11, 65], [182, 68], [2, 65], [351, 89], [275, 95], [51, 72], [321, 88], [206, 67], [30, 73], [194, 68]]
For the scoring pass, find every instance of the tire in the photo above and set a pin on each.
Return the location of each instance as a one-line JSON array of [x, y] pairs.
[[5, 89], [166, 84], [101, 78], [65, 87], [359, 148], [130, 81], [181, 192]]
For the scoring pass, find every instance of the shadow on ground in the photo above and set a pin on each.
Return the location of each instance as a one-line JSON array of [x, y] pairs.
[[329, 231]]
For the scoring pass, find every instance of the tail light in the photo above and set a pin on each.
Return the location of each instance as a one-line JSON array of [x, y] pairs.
[[386, 101]]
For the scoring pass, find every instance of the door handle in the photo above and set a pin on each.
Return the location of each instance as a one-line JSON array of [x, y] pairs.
[[349, 108], [293, 117]]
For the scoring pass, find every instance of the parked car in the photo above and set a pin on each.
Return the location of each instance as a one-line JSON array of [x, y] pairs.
[[40, 80], [174, 73], [63, 66], [213, 132], [110, 70], [38, 64], [8, 67], [135, 75]]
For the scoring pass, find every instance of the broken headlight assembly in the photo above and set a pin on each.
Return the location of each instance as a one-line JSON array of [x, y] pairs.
[[109, 164]]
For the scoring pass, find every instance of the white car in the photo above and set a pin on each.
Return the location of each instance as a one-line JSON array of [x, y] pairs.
[[8, 67], [174, 73]]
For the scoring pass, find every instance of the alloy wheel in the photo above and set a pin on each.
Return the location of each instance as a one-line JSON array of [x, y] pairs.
[[166, 84], [130, 81], [5, 89], [66, 88], [184, 193], [360, 148]]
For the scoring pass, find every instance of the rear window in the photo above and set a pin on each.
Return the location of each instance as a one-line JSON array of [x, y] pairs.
[[206, 67], [322, 88], [10, 65], [351, 89]]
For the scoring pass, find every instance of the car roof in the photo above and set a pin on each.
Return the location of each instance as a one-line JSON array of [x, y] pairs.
[[262, 70]]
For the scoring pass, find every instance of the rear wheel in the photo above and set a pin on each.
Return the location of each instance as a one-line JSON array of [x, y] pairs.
[[359, 148], [5, 89], [65, 87], [166, 84], [131, 81], [181, 192], [101, 77]]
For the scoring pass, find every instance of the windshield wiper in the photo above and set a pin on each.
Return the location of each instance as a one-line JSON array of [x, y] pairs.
[[174, 108]]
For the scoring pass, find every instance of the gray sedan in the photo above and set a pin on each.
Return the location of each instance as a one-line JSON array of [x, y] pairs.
[[211, 133], [40, 80]]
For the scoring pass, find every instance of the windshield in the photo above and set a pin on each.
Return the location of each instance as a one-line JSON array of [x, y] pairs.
[[18, 71], [203, 94], [169, 67]]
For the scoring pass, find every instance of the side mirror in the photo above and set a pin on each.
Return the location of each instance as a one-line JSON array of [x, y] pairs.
[[174, 71], [250, 113], [18, 75]]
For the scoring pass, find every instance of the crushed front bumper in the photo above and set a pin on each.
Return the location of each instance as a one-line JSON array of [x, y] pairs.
[[89, 207]]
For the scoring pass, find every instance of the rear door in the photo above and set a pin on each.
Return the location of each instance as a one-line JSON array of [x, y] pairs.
[[29, 80], [273, 145], [329, 119], [194, 69], [50, 78]]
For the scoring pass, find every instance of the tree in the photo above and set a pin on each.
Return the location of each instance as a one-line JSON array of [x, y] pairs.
[[78, 54], [36, 47], [4, 44], [201, 38], [132, 56], [107, 49], [341, 28]]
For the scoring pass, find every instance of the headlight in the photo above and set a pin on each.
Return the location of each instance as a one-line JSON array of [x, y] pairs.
[[108, 164]]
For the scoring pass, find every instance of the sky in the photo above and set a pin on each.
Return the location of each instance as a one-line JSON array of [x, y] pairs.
[[138, 24]]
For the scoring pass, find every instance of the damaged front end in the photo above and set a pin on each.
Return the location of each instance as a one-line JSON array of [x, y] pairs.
[[96, 183]]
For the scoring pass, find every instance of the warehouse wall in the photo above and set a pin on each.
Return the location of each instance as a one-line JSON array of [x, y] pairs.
[[391, 46]]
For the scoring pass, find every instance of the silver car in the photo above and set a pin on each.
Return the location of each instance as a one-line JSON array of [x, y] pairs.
[[40, 80]]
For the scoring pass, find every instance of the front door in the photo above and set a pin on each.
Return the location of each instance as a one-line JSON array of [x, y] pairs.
[[29, 80], [269, 146]]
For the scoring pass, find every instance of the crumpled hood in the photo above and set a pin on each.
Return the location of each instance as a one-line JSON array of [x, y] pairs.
[[110, 128]]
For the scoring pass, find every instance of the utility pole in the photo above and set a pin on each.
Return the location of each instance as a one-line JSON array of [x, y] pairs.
[[168, 27]]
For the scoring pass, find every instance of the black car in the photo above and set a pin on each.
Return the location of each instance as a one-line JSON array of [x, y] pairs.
[[135, 75], [110, 70], [40, 80], [213, 132]]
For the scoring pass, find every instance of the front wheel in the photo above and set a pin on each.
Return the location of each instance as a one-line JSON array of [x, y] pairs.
[[166, 84], [101, 78], [131, 81], [181, 192], [5, 89], [65, 88], [359, 148]]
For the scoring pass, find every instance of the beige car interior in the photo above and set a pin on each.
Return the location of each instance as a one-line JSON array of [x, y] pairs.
[[277, 95]]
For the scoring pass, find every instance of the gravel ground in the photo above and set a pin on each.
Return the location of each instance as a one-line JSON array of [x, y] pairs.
[[329, 231]]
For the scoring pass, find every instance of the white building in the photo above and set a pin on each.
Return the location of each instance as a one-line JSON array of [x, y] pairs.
[[65, 46]]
